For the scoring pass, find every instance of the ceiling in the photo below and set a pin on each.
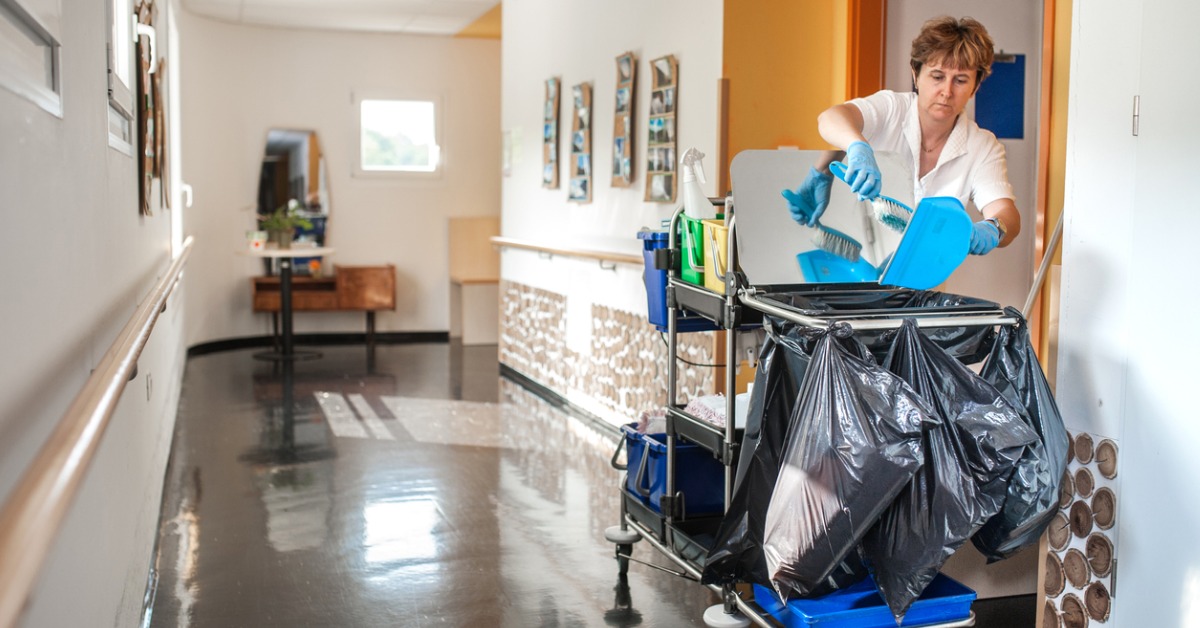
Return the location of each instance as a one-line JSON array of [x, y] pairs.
[[415, 17]]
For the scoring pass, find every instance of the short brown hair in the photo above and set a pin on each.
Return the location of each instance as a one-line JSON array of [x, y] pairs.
[[962, 43]]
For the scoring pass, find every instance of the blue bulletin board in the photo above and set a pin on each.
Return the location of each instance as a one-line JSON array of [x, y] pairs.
[[1000, 101]]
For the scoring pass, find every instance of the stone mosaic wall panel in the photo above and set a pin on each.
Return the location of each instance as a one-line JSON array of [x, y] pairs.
[[533, 329], [1081, 537], [626, 373]]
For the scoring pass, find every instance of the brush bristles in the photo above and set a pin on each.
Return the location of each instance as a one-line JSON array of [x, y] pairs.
[[837, 243], [893, 215]]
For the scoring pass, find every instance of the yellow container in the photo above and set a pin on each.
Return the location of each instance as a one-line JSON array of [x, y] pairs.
[[716, 243]]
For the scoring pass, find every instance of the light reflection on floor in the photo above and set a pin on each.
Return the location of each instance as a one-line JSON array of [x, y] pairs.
[[486, 507]]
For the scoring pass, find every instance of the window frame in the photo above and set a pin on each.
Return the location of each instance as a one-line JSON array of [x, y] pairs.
[[438, 134], [41, 22], [122, 118]]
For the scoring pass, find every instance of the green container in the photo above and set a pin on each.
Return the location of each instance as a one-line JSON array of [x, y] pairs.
[[691, 245]]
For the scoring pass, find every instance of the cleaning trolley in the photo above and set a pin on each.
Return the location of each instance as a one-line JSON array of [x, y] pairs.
[[812, 513]]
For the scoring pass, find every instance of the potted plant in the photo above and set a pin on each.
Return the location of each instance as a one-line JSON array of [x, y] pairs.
[[281, 224]]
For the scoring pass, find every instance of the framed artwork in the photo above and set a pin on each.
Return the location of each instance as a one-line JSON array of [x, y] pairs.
[[622, 164], [660, 146], [146, 105], [550, 136], [580, 188]]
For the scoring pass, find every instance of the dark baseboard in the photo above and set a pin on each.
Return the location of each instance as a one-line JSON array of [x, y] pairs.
[[381, 338], [558, 401]]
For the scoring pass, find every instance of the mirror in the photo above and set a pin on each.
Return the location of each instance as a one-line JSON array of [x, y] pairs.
[[774, 249], [294, 168]]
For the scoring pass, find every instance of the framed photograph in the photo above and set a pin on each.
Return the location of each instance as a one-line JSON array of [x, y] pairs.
[[580, 189], [660, 132], [581, 145], [550, 135], [622, 166]]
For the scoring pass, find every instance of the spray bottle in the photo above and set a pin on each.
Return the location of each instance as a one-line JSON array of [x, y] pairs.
[[695, 202]]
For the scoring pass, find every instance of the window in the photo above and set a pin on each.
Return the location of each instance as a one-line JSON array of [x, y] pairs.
[[398, 136], [120, 75], [29, 51]]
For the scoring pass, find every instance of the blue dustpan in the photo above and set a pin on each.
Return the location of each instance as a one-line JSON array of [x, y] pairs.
[[819, 266], [935, 243]]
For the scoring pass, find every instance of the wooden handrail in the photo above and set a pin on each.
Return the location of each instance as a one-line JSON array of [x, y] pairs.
[[31, 517], [603, 256]]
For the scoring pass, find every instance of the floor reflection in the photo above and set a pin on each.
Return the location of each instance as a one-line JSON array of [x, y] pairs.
[[420, 489]]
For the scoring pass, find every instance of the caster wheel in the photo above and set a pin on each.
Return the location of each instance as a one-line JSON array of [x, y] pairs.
[[623, 552], [716, 617], [614, 534]]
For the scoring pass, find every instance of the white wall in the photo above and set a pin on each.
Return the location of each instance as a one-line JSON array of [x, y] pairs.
[[1126, 346], [1005, 274], [240, 81], [579, 42], [79, 259]]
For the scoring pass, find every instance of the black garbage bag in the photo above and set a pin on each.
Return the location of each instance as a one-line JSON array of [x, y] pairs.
[[736, 555], [1013, 368], [969, 457], [854, 444]]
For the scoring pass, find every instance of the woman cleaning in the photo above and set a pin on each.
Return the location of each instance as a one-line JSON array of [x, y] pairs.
[[948, 153]]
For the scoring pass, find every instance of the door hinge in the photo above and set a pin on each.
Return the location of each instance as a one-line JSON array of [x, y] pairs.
[[1137, 113]]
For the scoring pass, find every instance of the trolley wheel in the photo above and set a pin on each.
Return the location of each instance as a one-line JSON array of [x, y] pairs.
[[624, 550], [621, 536], [716, 617]]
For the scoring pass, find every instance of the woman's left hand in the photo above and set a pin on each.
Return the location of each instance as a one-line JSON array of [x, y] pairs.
[[984, 237]]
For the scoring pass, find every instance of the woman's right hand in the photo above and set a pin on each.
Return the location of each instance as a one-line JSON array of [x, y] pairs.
[[862, 173]]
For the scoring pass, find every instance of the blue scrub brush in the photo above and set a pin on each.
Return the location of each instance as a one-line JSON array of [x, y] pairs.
[[890, 212], [826, 238]]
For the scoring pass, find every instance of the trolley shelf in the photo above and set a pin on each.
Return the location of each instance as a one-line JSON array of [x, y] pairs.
[[690, 538], [712, 306], [704, 434]]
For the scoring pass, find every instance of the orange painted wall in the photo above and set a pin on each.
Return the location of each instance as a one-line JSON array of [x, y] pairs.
[[786, 62]]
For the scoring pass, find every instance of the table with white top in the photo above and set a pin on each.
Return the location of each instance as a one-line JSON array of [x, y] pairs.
[[285, 257]]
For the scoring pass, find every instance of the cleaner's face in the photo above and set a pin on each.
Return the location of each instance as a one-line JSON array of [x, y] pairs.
[[943, 91]]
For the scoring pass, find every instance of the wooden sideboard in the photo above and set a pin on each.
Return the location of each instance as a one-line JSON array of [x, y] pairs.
[[351, 288]]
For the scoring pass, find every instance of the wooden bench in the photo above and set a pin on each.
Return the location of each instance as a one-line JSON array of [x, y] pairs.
[[351, 288]]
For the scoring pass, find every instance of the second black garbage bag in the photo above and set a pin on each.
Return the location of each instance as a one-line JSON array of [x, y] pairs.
[[854, 442], [1013, 368], [968, 460], [737, 553]]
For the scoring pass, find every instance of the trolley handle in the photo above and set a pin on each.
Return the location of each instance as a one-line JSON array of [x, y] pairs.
[[641, 474], [749, 298]]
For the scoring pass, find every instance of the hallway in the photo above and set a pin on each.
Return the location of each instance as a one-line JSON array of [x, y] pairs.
[[425, 491]]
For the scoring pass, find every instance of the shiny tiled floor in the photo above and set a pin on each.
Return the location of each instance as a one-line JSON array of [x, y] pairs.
[[421, 490]]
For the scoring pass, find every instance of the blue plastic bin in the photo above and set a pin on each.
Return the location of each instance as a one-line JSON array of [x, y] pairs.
[[656, 288], [860, 606], [698, 475]]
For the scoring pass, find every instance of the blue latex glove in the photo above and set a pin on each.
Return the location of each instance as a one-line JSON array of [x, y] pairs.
[[809, 201], [862, 173], [984, 237]]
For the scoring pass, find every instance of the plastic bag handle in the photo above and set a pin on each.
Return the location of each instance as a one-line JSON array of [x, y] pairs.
[[689, 244], [718, 266]]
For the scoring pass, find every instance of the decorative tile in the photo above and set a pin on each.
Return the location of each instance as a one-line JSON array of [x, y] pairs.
[[1079, 564], [626, 372]]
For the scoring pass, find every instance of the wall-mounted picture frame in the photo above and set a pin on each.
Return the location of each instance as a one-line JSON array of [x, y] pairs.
[[550, 135], [623, 144], [580, 188], [661, 183]]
